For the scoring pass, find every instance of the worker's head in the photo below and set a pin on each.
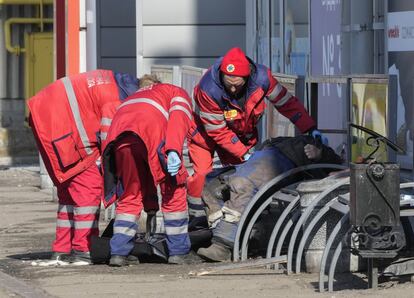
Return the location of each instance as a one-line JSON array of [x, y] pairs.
[[148, 80], [235, 68]]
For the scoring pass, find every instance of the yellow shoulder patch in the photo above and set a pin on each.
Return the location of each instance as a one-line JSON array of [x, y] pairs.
[[230, 114]]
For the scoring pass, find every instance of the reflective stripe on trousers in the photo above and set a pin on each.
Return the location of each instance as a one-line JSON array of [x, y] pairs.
[[77, 217], [125, 228], [78, 211], [176, 230], [195, 207]]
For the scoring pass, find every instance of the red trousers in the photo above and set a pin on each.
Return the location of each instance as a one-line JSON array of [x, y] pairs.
[[131, 158], [139, 187], [201, 149], [78, 212]]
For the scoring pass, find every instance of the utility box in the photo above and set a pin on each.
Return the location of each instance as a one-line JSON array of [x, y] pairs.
[[375, 195], [38, 62]]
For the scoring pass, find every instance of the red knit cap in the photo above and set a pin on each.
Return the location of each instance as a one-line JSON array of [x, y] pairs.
[[235, 63]]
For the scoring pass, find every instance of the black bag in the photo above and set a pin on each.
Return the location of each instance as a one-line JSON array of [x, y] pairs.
[[149, 247]]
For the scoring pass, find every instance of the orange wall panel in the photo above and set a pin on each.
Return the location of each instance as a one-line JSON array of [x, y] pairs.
[[72, 54]]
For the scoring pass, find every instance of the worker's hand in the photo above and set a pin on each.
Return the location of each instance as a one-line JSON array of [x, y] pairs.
[[246, 156], [312, 152], [173, 163], [316, 134]]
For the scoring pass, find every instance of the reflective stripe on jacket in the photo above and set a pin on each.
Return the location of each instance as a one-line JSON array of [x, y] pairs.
[[65, 118], [156, 114], [232, 127]]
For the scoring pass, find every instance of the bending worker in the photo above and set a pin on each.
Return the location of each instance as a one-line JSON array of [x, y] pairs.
[[277, 156], [67, 119], [145, 143], [230, 102]]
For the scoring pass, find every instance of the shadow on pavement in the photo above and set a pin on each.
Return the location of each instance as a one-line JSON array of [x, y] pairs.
[[345, 281], [31, 256]]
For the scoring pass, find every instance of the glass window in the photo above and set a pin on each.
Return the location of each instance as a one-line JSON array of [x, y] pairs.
[[263, 32], [296, 36], [276, 45]]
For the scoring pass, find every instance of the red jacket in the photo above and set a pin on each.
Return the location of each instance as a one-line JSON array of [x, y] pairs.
[[232, 127], [66, 118], [157, 114]]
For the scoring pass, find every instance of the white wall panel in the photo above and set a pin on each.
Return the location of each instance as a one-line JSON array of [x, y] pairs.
[[188, 32], [193, 12], [191, 41], [197, 62]]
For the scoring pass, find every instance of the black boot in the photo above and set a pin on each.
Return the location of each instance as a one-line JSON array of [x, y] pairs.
[[216, 252], [81, 258], [188, 259], [118, 261]]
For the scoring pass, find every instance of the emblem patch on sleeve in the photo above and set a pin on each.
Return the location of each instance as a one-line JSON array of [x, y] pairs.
[[230, 114]]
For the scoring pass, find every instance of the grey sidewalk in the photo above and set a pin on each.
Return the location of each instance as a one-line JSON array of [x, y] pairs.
[[27, 223]]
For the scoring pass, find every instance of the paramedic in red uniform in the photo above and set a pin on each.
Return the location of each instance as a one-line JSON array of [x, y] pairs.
[[229, 103], [68, 120], [144, 149]]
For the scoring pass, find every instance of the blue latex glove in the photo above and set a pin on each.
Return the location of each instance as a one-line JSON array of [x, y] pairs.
[[173, 163], [316, 134], [246, 156]]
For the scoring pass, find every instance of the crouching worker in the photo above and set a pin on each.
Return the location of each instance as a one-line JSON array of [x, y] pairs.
[[67, 117], [145, 143], [275, 157]]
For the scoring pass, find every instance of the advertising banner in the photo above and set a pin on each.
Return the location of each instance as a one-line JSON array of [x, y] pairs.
[[326, 39], [400, 31], [326, 46], [400, 37], [369, 109]]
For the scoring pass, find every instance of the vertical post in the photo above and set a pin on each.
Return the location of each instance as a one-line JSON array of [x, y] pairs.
[[372, 274], [361, 37], [251, 29], [3, 55], [348, 96], [45, 181], [140, 37], [309, 40], [351, 119], [263, 53], [385, 37], [300, 93], [176, 75], [91, 26], [82, 35], [313, 109], [282, 35], [392, 114], [14, 59], [60, 38], [375, 38]]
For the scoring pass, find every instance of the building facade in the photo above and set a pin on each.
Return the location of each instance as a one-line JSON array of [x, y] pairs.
[[48, 39], [343, 38]]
